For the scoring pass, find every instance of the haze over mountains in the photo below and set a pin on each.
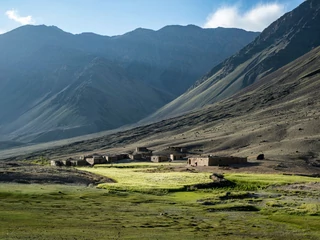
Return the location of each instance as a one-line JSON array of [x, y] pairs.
[[288, 38], [56, 85]]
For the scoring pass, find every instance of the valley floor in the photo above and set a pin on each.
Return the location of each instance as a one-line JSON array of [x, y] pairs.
[[157, 201]]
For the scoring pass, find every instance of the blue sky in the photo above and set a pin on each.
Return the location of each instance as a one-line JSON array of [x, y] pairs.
[[114, 17]]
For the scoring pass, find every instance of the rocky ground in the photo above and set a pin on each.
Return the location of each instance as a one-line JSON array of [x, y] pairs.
[[20, 172]]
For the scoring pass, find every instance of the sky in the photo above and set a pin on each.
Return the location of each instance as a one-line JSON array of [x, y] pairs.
[[116, 17]]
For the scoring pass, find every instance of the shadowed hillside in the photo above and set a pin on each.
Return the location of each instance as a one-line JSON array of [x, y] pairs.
[[56, 85]]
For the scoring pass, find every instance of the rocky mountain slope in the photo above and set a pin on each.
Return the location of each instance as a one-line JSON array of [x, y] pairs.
[[278, 116], [288, 38], [55, 85]]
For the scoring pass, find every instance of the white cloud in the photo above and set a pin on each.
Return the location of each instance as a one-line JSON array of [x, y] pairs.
[[14, 15], [2, 31], [255, 19]]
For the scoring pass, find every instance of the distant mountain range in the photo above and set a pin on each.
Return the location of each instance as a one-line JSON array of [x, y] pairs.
[[288, 38], [55, 85]]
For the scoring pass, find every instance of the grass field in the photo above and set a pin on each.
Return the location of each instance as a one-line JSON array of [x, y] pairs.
[[144, 179], [141, 178], [273, 210]]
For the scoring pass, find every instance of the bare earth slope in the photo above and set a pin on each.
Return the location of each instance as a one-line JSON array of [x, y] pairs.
[[277, 116], [288, 38]]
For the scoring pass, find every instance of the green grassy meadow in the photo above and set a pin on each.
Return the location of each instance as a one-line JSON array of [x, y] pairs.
[[129, 209]]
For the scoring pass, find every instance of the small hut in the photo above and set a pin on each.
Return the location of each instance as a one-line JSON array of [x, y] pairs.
[[216, 161], [177, 156], [142, 149], [159, 158], [135, 156], [95, 159], [111, 158], [56, 163]]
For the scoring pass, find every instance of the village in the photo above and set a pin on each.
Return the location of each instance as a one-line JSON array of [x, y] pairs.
[[146, 155]]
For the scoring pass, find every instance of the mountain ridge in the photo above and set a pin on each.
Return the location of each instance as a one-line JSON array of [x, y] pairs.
[[289, 37], [48, 86]]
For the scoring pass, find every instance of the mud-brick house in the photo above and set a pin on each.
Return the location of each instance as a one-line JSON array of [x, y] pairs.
[[178, 149], [142, 149], [177, 156], [111, 158], [56, 163], [145, 153], [78, 162], [159, 158], [74, 162], [95, 159], [216, 161], [123, 156], [67, 162], [135, 156]]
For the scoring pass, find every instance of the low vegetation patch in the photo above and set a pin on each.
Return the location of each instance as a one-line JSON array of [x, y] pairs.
[[143, 177], [131, 179], [251, 182], [271, 209], [139, 165]]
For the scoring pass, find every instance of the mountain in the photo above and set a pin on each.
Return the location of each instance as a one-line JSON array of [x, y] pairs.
[[179, 55], [286, 39], [55, 85], [278, 116]]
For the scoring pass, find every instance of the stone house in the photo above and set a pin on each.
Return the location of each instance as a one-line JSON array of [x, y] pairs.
[[95, 159], [56, 163], [111, 158], [142, 149], [67, 162], [78, 162], [215, 161], [177, 156], [159, 158], [135, 156], [183, 150], [178, 149], [123, 156], [74, 162]]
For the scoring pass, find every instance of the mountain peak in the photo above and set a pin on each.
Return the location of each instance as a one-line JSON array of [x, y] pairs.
[[37, 29], [179, 27]]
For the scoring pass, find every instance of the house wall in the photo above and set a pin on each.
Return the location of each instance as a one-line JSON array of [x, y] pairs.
[[216, 161], [95, 160], [159, 158], [177, 156], [142, 149], [110, 159], [123, 156], [56, 163], [135, 156], [78, 163], [200, 161], [66, 162], [183, 150]]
